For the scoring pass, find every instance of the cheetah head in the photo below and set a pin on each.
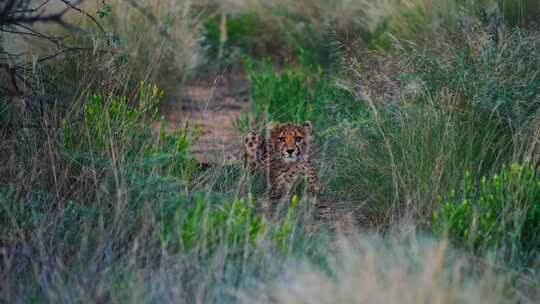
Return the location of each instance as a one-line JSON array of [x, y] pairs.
[[290, 142]]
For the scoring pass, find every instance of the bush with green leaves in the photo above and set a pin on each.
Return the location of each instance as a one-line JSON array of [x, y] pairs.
[[296, 94], [399, 157], [501, 213], [125, 203], [106, 154], [182, 241], [114, 129]]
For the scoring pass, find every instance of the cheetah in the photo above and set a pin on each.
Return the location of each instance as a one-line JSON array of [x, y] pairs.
[[284, 155]]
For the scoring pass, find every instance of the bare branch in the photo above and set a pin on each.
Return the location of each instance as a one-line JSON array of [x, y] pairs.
[[25, 16], [32, 10], [18, 17], [86, 14]]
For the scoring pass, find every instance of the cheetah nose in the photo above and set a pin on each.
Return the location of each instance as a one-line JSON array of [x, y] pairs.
[[290, 151]]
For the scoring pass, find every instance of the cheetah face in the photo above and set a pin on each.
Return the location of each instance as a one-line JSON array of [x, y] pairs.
[[290, 142]]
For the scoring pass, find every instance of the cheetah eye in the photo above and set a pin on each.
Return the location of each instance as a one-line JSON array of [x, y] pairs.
[[281, 139], [298, 139]]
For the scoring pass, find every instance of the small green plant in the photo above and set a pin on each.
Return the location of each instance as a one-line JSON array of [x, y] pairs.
[[104, 10], [502, 213], [241, 123]]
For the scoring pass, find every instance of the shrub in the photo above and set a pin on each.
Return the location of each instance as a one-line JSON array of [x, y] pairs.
[[309, 31], [296, 94], [419, 21], [460, 111], [113, 130], [243, 34], [494, 79], [105, 155], [501, 213], [205, 225], [312, 39]]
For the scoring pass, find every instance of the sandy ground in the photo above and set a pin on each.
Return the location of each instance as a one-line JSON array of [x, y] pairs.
[[213, 110]]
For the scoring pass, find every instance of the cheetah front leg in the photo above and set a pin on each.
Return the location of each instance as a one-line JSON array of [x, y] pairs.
[[311, 176], [323, 210], [281, 184], [280, 195]]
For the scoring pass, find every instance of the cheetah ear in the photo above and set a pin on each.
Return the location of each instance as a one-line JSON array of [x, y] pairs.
[[272, 127], [307, 124]]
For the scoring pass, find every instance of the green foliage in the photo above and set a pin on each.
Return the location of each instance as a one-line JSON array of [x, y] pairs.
[[312, 43], [472, 109], [401, 156], [502, 212], [282, 232], [104, 10], [245, 34], [493, 79], [101, 202], [112, 128], [203, 226], [419, 21], [295, 94], [110, 153], [276, 33], [241, 123]]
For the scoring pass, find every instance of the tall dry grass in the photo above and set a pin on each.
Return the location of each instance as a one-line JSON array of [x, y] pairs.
[[373, 270], [139, 34]]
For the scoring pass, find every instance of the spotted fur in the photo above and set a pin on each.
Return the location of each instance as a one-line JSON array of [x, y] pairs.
[[285, 156]]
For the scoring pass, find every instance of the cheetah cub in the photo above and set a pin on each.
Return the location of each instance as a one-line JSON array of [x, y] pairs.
[[285, 155]]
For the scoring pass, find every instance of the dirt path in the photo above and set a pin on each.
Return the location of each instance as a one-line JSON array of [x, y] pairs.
[[214, 110]]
